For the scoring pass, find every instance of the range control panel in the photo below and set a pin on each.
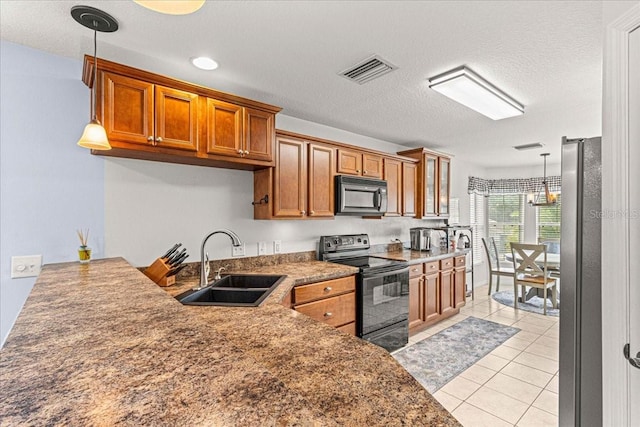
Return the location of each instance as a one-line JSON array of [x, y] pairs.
[[345, 242]]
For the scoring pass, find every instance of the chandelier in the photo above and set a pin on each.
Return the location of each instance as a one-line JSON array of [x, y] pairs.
[[543, 197]]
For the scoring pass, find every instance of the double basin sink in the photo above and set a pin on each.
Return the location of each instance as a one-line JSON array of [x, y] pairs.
[[234, 290]]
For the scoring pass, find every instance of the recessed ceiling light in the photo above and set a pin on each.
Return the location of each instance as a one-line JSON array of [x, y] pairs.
[[469, 89], [172, 7], [204, 63]]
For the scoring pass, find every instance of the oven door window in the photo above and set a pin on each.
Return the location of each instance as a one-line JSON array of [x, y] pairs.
[[385, 300]]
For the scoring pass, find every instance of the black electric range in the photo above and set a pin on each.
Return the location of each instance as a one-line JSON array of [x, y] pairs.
[[382, 290]]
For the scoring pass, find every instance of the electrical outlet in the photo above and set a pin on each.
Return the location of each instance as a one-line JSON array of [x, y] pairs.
[[237, 250], [262, 248], [25, 266], [277, 246]]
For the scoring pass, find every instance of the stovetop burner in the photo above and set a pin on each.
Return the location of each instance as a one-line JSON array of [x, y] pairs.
[[369, 262]]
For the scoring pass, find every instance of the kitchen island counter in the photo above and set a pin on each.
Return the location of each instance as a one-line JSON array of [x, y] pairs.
[[100, 344]]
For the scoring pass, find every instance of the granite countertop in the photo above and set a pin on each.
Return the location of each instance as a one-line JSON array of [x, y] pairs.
[[100, 344]]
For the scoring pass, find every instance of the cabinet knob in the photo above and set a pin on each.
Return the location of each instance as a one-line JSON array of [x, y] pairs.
[[240, 152], [150, 138], [303, 212], [159, 139], [328, 289], [364, 172], [246, 152], [311, 212], [328, 314], [358, 170]]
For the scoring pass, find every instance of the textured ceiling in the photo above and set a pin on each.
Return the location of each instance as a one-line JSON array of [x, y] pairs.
[[545, 54]]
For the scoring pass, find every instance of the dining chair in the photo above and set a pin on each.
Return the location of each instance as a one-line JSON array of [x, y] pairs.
[[529, 270], [494, 264], [553, 247]]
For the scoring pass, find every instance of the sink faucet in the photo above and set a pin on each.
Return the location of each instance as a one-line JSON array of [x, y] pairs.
[[235, 241]]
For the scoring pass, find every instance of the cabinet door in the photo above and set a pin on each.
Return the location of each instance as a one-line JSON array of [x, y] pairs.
[[372, 166], [321, 182], [431, 297], [176, 117], [430, 207], [416, 302], [259, 130], [127, 110], [349, 162], [443, 192], [224, 128], [409, 185], [290, 183], [393, 176], [446, 291], [459, 286]]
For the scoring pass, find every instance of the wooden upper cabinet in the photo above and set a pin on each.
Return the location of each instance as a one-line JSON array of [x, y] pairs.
[[176, 119], [433, 183], [224, 128], [321, 183], [259, 131], [290, 180], [352, 162], [349, 162], [393, 176], [152, 117], [371, 165], [126, 110], [409, 186]]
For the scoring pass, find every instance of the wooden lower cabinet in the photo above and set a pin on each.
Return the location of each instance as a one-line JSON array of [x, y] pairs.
[[332, 302], [432, 293], [459, 282]]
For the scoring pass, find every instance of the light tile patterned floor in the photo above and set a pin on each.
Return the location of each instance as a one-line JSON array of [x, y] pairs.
[[514, 385]]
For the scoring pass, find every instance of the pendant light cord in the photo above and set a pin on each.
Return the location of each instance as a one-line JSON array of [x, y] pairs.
[[95, 75]]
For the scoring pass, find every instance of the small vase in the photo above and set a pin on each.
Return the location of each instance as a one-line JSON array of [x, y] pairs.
[[84, 254]]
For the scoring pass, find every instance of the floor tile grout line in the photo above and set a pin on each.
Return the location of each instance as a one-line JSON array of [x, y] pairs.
[[494, 415]]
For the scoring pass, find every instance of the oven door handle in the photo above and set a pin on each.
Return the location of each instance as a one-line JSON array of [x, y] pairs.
[[366, 275]]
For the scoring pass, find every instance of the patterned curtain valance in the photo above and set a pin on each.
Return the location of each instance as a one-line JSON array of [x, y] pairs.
[[512, 186]]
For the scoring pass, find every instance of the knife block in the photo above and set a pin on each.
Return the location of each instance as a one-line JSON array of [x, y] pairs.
[[158, 273]]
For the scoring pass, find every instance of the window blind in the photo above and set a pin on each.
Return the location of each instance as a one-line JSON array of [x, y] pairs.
[[478, 224], [506, 220], [548, 222]]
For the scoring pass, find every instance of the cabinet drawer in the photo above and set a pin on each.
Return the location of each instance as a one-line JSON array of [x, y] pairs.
[[349, 328], [334, 311], [446, 264], [460, 261], [415, 270], [314, 291], [431, 267]]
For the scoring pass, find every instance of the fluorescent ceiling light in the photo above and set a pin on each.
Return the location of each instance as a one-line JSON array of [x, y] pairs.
[[469, 89], [172, 7], [204, 63]]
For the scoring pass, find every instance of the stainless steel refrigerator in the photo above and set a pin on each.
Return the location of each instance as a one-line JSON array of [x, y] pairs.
[[580, 387]]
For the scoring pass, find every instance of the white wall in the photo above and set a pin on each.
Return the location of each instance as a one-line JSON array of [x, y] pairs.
[[49, 186]]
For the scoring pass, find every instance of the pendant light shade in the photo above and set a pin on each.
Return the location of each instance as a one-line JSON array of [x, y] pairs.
[[172, 7], [94, 136]]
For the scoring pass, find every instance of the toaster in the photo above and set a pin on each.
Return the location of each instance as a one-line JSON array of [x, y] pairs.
[[420, 238]]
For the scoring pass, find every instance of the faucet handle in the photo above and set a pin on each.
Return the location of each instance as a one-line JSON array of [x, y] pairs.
[[218, 271], [207, 267]]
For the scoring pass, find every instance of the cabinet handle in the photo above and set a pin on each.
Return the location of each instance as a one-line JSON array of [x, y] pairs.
[[328, 314], [240, 152], [150, 138], [328, 289], [159, 139], [311, 212], [415, 269], [246, 152]]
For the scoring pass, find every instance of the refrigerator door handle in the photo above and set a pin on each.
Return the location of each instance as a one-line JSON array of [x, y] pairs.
[[634, 361]]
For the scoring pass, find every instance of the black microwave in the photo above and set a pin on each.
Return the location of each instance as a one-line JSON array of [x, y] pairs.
[[360, 196]]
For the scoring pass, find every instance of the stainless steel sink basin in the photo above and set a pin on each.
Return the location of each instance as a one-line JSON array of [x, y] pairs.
[[234, 290]]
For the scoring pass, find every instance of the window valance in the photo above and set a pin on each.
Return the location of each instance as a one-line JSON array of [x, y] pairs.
[[512, 186]]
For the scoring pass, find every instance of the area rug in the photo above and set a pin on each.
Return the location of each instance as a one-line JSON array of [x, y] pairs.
[[533, 304], [436, 360]]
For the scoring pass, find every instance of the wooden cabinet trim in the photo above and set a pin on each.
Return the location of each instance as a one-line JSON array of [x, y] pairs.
[[213, 145], [294, 175], [334, 311], [319, 290]]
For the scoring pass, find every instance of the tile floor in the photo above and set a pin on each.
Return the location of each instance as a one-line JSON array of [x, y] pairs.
[[514, 385]]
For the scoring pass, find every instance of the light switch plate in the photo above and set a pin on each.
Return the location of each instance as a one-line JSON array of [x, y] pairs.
[[25, 266], [277, 246], [262, 248]]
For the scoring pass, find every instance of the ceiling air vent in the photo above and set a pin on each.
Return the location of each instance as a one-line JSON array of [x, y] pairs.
[[528, 146], [367, 70]]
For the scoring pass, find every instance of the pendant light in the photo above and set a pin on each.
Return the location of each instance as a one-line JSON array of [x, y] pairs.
[[544, 198], [94, 135]]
